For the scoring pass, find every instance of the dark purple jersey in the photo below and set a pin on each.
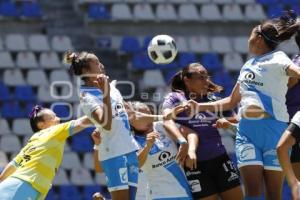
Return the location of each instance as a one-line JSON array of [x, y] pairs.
[[293, 94], [210, 144]]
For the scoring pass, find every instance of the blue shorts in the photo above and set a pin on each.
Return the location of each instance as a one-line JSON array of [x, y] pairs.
[[17, 189], [121, 172], [256, 142]]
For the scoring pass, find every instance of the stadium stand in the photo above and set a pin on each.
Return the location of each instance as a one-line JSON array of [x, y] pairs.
[[119, 32]]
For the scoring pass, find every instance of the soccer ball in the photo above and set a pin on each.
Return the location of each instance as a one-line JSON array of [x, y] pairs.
[[162, 49]]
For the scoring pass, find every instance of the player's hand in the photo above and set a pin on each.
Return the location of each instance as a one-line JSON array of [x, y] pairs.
[[151, 138], [191, 160], [295, 189], [182, 153], [96, 137], [191, 107], [222, 123], [102, 83], [172, 113]]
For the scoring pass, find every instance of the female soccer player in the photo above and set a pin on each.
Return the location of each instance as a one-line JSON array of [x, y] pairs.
[[156, 158], [105, 108], [261, 90], [290, 137], [213, 174], [30, 173], [293, 105]]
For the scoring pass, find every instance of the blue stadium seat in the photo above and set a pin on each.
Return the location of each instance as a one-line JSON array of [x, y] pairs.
[[170, 74], [28, 107], [98, 11], [268, 2], [82, 142], [142, 61], [286, 191], [103, 42], [62, 111], [224, 79], [296, 8], [290, 2], [275, 10], [8, 9], [172, 65], [146, 42], [31, 10], [89, 190], [11, 110], [4, 92], [51, 195], [130, 44], [67, 192], [186, 58], [24, 93], [211, 61]]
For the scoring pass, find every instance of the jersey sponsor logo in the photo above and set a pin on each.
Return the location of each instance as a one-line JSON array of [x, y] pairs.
[[249, 78], [164, 157], [247, 152], [233, 176], [123, 175], [191, 173], [195, 186]]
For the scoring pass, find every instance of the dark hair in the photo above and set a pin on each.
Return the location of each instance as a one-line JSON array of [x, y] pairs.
[[36, 116], [297, 39], [277, 30], [78, 61], [178, 85]]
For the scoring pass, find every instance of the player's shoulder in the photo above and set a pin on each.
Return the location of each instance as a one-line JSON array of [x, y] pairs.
[[175, 96]]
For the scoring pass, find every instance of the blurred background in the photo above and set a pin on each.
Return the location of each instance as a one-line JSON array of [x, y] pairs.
[[35, 34]]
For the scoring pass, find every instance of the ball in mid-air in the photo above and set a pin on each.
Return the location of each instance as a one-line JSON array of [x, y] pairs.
[[162, 49]]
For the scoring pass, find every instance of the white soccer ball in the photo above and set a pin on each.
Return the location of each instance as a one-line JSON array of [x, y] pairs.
[[162, 49]]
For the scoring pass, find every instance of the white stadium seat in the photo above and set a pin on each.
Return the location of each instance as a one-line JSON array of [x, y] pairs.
[[81, 176], [37, 77], [245, 2], [210, 12], [289, 47], [166, 12], [10, 144], [61, 178], [254, 12], [222, 1], [21, 127], [6, 60], [61, 43], [200, 1], [151, 75], [199, 44], [13, 77], [233, 12], [240, 44], [15, 42], [88, 161], [26, 59], [143, 11], [1, 44], [3, 160], [38, 42], [188, 12], [26, 139], [59, 75], [181, 43], [72, 92], [120, 11], [233, 61], [71, 161], [44, 94], [221, 44], [4, 127], [50, 60]]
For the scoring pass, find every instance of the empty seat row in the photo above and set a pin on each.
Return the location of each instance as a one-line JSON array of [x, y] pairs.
[[28, 9], [144, 11], [27, 59], [35, 42]]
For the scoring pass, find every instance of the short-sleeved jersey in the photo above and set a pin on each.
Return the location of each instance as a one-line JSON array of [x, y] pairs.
[[162, 171], [210, 145], [263, 83], [119, 140], [39, 160], [292, 96]]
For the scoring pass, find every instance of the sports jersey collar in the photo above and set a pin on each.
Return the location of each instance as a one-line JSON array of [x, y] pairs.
[[256, 58]]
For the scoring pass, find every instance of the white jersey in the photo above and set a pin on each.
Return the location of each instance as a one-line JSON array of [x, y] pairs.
[[165, 177], [296, 119], [117, 141], [142, 192], [263, 83]]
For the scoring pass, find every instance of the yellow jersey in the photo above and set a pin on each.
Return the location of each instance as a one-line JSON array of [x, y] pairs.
[[39, 160]]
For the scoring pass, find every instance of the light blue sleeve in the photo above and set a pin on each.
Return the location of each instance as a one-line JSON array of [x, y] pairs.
[[89, 104]]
